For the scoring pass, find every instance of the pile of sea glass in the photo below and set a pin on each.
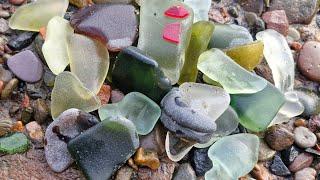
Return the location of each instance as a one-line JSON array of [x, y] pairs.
[[162, 80]]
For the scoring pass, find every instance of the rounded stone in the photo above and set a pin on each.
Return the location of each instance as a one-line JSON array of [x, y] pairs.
[[265, 152], [26, 66], [16, 2], [278, 137], [304, 138], [309, 60], [305, 174]]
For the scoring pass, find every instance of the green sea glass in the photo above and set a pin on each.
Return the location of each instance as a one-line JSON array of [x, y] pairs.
[[14, 143], [138, 108], [69, 92], [200, 37], [135, 71], [234, 79], [102, 149], [248, 56], [35, 15], [89, 61], [229, 35], [55, 46], [233, 156], [169, 55], [256, 111]]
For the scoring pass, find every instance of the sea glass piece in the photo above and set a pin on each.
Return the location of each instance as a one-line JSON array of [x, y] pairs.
[[190, 111], [177, 12], [200, 37], [234, 79], [136, 107], [14, 143], [248, 56], [177, 148], [226, 124], [256, 111], [102, 149], [233, 156], [114, 24], [291, 108], [169, 55], [68, 125], [200, 9], [229, 35], [35, 15], [69, 92], [172, 32], [89, 61], [135, 71], [275, 48], [55, 47]]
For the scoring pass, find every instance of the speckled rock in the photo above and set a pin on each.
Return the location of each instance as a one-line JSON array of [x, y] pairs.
[[255, 6], [304, 138], [279, 137], [305, 174], [302, 161], [309, 60], [277, 20], [278, 167], [298, 11], [21, 41], [288, 155], [200, 161], [164, 172]]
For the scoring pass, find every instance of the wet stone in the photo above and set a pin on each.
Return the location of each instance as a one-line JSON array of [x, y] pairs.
[[15, 143], [26, 66], [135, 71], [21, 41], [200, 161], [304, 138], [278, 137], [278, 167], [114, 143], [68, 125], [309, 60], [302, 161], [184, 172], [115, 24]]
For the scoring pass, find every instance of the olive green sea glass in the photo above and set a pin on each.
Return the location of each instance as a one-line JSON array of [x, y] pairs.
[[200, 37], [55, 46], [153, 22], [248, 56], [233, 156], [256, 111], [89, 61], [35, 15], [102, 149], [69, 92], [229, 35], [135, 71], [235, 80], [136, 107]]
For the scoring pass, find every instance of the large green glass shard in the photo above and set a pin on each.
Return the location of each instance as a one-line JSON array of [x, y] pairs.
[[33, 16], [69, 92], [227, 36], [234, 79], [102, 149], [256, 111], [89, 61], [155, 25], [55, 47], [200, 9], [135, 71], [276, 48], [233, 156], [138, 108], [226, 124], [248, 56], [200, 37]]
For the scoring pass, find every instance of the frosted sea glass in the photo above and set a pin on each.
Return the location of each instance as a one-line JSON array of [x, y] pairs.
[[138, 108], [234, 79], [89, 61], [35, 15], [55, 46], [256, 111], [169, 55], [200, 9], [279, 58], [233, 156], [69, 92], [200, 37], [177, 148], [229, 35], [248, 56]]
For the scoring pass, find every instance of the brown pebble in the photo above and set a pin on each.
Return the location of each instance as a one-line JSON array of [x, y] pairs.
[[34, 131], [309, 60], [1, 86], [260, 172], [147, 158], [300, 122], [132, 164], [9, 87], [17, 127], [303, 160], [17, 2], [296, 46], [279, 137]]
